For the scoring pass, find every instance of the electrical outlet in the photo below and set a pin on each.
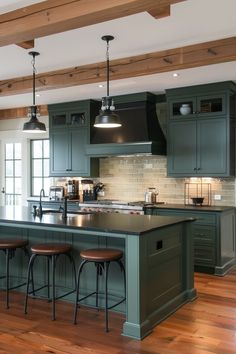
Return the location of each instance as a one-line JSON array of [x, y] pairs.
[[217, 197]]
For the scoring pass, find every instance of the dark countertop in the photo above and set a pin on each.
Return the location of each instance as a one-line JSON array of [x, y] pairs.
[[98, 222], [191, 207]]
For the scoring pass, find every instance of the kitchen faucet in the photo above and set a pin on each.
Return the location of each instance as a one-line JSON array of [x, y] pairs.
[[64, 208], [41, 194]]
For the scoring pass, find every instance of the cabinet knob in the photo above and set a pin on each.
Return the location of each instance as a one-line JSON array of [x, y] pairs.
[[195, 169], [198, 169], [68, 169]]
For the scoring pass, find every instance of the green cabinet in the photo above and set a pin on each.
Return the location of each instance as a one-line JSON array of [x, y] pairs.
[[69, 133], [201, 140], [214, 237]]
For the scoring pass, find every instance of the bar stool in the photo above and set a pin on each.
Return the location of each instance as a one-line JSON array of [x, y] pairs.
[[51, 251], [9, 247], [101, 257]]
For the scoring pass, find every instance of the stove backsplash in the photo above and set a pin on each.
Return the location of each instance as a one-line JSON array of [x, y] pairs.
[[127, 178]]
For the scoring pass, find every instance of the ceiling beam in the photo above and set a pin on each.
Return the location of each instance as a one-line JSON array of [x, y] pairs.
[[55, 16], [26, 44], [214, 52]]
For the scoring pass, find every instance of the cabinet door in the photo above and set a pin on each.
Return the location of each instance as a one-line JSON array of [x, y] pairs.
[[212, 155], [59, 153], [182, 148], [176, 104], [78, 160], [211, 105]]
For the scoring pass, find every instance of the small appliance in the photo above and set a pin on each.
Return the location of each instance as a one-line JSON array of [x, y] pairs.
[[56, 192], [72, 189]]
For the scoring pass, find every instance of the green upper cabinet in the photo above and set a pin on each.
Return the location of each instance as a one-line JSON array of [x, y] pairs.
[[69, 133], [201, 131]]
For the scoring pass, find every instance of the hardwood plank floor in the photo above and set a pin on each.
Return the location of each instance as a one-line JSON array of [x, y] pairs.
[[204, 326]]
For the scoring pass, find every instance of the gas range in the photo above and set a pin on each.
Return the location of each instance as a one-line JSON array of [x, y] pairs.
[[114, 206]]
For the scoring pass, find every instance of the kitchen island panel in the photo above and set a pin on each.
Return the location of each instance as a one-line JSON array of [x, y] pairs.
[[158, 255]]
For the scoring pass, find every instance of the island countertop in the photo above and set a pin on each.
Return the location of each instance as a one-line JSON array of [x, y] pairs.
[[98, 222]]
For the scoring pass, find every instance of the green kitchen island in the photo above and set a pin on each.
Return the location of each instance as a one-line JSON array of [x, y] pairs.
[[158, 252]]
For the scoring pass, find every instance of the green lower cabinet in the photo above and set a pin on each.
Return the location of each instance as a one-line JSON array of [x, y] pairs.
[[214, 238]]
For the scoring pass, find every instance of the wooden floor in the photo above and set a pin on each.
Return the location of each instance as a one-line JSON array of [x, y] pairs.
[[204, 326]]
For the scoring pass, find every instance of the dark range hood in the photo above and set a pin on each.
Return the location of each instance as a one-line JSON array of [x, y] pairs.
[[140, 133]]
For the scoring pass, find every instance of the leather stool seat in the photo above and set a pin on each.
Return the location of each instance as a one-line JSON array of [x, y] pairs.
[[101, 254], [12, 244], [51, 251], [9, 247], [46, 249], [101, 257]]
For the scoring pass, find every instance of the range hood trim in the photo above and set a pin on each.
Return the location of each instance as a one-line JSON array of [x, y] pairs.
[[142, 147]]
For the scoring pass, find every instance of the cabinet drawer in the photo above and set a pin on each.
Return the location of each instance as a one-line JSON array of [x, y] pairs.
[[204, 255], [203, 233]]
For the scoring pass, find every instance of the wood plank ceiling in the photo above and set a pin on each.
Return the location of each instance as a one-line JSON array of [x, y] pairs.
[[24, 25]]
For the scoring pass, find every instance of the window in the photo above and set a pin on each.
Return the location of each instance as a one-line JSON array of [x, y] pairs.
[[13, 177], [39, 166]]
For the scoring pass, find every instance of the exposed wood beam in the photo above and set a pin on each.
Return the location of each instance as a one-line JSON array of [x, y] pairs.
[[55, 16], [20, 112], [26, 44], [208, 53]]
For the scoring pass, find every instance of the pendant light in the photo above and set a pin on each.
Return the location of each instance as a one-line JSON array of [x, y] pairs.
[[33, 125], [107, 117]]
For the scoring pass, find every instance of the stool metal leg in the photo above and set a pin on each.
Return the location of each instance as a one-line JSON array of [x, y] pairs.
[[77, 290], [97, 281], [106, 265], [7, 278], [48, 276], [53, 260], [29, 272]]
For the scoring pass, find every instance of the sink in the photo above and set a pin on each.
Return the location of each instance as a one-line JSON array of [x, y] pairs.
[[69, 213]]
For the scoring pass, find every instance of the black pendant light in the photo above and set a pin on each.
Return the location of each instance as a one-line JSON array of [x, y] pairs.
[[107, 117], [33, 125]]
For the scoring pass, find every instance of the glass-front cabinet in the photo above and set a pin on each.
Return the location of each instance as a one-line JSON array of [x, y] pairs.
[[210, 105], [201, 130], [69, 133], [63, 119]]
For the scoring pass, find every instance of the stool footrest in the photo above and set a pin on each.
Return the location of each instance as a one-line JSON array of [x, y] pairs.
[[99, 307]]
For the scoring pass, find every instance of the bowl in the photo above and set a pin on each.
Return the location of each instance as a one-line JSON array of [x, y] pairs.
[[197, 200]]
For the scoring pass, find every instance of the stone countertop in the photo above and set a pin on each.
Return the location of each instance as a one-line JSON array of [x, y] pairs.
[[98, 222], [191, 207]]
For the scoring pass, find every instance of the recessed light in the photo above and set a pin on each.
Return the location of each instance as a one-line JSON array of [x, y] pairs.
[[175, 75], [37, 95], [101, 86]]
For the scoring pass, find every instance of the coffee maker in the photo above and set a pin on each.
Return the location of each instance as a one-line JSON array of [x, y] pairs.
[[72, 189], [88, 192]]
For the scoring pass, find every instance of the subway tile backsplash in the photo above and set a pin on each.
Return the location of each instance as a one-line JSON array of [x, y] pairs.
[[127, 178]]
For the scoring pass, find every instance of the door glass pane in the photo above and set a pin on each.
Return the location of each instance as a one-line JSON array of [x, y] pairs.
[[9, 185], [9, 151], [9, 168], [18, 168], [17, 185], [17, 151]]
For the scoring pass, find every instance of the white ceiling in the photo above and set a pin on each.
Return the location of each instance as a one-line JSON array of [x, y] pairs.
[[193, 21]]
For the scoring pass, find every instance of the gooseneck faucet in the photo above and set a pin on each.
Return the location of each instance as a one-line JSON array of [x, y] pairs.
[[64, 208], [41, 194]]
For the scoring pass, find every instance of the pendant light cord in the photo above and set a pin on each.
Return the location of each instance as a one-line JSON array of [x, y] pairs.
[[34, 70], [108, 69]]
